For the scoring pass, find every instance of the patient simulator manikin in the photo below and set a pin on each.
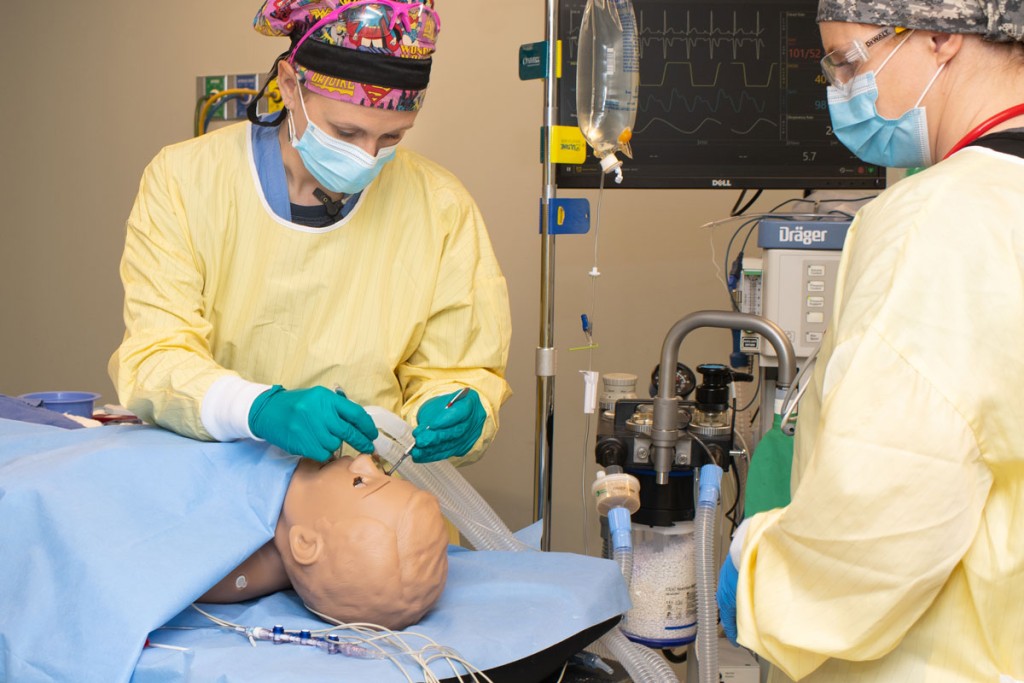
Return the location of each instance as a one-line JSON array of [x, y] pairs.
[[354, 543]]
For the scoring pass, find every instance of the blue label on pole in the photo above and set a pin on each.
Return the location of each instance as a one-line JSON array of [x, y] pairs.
[[567, 217]]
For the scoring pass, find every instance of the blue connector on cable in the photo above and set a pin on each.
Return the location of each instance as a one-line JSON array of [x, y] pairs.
[[735, 271]]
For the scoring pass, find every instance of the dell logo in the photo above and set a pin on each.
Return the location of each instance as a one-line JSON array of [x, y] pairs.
[[721, 183], [801, 236]]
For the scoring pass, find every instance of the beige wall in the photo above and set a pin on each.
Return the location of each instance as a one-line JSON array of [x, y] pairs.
[[95, 89]]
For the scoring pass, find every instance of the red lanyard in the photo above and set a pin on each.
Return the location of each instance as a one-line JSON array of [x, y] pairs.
[[986, 126]]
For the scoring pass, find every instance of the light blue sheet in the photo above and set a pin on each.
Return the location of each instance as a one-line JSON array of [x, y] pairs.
[[107, 533], [497, 608]]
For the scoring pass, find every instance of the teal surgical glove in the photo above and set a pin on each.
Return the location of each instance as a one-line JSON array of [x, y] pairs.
[[448, 432], [728, 578], [312, 422]]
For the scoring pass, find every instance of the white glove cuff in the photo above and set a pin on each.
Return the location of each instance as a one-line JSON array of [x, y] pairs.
[[226, 405], [736, 548]]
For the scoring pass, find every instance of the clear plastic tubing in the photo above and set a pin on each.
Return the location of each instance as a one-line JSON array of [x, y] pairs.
[[332, 644], [643, 664], [707, 609], [461, 503]]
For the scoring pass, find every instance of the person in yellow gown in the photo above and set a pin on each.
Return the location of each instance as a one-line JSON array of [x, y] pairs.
[[899, 557], [270, 262]]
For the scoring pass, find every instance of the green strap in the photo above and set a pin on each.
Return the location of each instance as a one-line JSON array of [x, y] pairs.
[[770, 470]]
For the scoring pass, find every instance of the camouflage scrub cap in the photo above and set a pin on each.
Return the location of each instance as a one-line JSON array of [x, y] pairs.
[[995, 20]]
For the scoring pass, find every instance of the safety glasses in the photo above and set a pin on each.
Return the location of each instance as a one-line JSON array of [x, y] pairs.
[[840, 66], [374, 12], [371, 15]]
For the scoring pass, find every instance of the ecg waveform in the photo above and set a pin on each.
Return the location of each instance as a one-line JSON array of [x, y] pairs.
[[732, 34], [690, 34]]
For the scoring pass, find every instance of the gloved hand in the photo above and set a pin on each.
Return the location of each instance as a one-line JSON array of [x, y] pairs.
[[312, 422], [726, 595], [448, 432]]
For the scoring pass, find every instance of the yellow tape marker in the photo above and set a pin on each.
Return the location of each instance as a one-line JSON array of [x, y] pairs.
[[568, 146]]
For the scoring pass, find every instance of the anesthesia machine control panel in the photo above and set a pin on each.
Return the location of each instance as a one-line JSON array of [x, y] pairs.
[[794, 283]]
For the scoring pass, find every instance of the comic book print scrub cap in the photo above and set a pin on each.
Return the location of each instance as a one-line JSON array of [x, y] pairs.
[[1000, 21], [374, 53]]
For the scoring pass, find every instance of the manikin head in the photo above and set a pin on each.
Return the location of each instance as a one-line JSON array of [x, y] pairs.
[[360, 546]]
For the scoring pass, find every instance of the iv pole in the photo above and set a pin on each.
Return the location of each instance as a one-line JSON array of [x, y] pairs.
[[546, 354]]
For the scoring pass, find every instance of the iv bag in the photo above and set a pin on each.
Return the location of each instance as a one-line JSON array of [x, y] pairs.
[[608, 80]]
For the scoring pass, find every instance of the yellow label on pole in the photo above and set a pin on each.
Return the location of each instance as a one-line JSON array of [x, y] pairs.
[[568, 146]]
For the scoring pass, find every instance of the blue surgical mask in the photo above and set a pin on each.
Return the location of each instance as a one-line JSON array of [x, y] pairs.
[[337, 165], [899, 143]]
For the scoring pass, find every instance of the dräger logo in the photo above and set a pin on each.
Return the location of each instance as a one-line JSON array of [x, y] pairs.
[[802, 236]]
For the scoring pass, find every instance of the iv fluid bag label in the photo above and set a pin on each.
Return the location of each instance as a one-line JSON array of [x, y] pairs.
[[630, 60], [630, 54]]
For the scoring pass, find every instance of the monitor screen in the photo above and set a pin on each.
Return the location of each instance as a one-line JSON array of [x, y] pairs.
[[731, 96]]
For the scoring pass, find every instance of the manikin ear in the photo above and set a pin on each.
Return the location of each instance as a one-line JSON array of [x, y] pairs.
[[306, 544]]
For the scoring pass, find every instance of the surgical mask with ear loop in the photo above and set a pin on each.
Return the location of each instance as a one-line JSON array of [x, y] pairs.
[[337, 165], [899, 143]]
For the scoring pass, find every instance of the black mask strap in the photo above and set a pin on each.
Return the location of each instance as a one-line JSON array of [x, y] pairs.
[[250, 110]]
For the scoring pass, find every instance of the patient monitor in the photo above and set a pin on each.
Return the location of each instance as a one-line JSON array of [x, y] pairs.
[[354, 543]]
